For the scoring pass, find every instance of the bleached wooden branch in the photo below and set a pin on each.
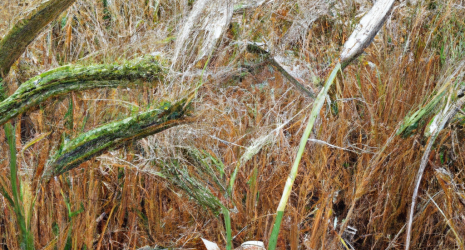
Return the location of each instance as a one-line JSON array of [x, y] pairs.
[[365, 31]]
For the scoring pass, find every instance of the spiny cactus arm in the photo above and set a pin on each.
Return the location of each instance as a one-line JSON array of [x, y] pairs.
[[65, 79], [3, 95], [26, 30], [195, 188], [113, 135]]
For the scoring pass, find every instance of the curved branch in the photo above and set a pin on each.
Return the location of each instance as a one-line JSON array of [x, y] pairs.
[[65, 79], [443, 121], [114, 135], [26, 30]]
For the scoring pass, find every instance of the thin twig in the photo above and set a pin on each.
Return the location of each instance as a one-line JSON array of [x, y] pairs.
[[332, 146]]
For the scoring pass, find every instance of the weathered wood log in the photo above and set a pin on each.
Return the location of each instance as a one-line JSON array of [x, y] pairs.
[[65, 79], [27, 29], [114, 135], [365, 31]]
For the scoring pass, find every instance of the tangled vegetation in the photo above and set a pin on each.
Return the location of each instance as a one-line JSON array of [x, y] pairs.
[[163, 122]]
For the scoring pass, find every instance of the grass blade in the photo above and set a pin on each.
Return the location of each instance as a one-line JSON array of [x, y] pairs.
[[27, 240], [303, 141]]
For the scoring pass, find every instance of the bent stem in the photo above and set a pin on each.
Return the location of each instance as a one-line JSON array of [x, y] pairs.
[[424, 161], [303, 141]]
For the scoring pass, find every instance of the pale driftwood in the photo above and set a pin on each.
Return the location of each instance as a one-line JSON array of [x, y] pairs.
[[201, 32], [365, 31], [252, 245], [209, 245]]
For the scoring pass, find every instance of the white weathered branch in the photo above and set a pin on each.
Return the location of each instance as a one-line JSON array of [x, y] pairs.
[[365, 31]]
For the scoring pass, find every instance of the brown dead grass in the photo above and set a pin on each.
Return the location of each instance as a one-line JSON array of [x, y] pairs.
[[126, 205]]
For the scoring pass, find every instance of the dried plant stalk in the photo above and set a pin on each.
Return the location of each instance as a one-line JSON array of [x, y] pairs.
[[303, 141], [255, 48], [370, 24], [418, 118]]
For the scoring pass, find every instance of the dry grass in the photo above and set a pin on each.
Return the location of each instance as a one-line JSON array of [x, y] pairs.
[[126, 204]]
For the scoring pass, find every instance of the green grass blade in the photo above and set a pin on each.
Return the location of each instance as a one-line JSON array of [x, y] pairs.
[[5, 193], [27, 240], [227, 224], [303, 141]]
